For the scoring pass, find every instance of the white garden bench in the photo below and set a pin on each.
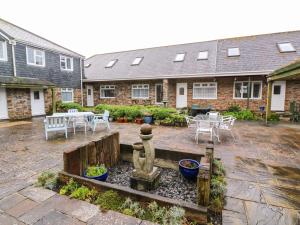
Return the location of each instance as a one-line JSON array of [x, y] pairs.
[[55, 123]]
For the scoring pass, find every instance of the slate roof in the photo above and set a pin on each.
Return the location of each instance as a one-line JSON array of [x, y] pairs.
[[24, 81], [27, 37], [259, 56]]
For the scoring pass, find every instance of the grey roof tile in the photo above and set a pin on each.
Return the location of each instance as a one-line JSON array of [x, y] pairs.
[[22, 35], [259, 55]]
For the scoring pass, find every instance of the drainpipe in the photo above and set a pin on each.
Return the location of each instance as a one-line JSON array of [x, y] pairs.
[[13, 43], [81, 85], [248, 93]]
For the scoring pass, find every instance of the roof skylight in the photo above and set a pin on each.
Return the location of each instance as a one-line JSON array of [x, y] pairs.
[[233, 52], [179, 57], [137, 61], [286, 47], [203, 55], [111, 63]]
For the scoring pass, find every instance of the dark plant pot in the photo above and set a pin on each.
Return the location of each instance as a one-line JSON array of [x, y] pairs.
[[103, 177], [139, 120], [189, 173], [148, 119]]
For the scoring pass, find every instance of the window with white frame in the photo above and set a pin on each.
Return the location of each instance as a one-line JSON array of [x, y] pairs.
[[107, 91], [137, 61], [244, 88], [179, 57], [205, 90], [35, 57], [203, 55], [140, 91], [286, 47], [3, 51], [111, 63], [67, 94], [66, 63], [233, 52]]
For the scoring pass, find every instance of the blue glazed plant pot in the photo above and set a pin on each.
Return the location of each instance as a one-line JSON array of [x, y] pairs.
[[103, 177], [187, 172], [148, 119]]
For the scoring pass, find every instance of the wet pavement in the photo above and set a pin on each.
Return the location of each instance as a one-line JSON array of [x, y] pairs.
[[262, 165]]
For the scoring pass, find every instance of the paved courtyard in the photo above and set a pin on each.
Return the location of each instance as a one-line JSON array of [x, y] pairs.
[[263, 173]]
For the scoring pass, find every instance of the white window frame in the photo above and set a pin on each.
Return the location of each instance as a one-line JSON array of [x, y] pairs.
[[111, 63], [233, 54], [133, 88], [34, 57], [137, 61], [63, 57], [252, 84], [208, 86], [202, 55], [4, 46], [107, 87], [69, 90], [178, 55], [158, 84], [279, 45]]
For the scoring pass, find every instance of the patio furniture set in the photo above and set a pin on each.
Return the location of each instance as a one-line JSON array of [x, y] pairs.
[[74, 119], [210, 123]]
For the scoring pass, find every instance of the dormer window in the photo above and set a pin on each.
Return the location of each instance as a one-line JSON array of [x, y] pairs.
[[111, 63], [137, 61], [179, 57], [3, 51], [231, 52], [203, 55], [286, 47]]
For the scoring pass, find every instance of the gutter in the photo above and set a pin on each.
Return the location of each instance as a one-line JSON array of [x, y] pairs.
[[208, 75], [81, 82]]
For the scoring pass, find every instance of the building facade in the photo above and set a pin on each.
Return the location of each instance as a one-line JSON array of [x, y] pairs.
[[35, 71], [217, 73]]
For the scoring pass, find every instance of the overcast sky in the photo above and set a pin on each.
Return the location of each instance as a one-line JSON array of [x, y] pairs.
[[97, 26]]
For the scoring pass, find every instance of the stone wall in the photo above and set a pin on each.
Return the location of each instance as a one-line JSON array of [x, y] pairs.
[[223, 101], [18, 103], [292, 93]]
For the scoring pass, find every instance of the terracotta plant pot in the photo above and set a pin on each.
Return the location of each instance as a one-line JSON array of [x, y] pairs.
[[139, 120], [125, 120], [120, 120]]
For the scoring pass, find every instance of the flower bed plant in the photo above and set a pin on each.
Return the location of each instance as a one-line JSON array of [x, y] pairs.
[[240, 114], [64, 107]]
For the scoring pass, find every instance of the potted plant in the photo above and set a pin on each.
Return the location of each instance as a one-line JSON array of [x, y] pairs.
[[139, 120], [130, 119], [189, 168], [157, 122], [96, 172], [167, 122], [148, 118]]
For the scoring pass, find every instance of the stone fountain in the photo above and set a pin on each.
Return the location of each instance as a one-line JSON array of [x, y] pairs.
[[145, 175]]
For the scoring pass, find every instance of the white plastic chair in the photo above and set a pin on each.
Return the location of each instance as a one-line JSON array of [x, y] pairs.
[[55, 123], [213, 115], [101, 119], [80, 121], [203, 127], [227, 124], [190, 122], [73, 111]]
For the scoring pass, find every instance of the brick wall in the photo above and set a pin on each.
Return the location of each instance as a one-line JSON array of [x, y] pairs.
[[18, 103], [223, 101]]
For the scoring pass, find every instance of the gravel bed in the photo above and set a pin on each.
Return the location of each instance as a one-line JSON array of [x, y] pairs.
[[172, 184]]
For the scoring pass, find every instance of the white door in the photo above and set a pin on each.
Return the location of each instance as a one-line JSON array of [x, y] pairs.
[[89, 95], [278, 96], [3, 104], [37, 102], [181, 95]]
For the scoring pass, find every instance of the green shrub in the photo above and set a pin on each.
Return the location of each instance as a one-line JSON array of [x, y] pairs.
[[273, 117], [219, 168], [245, 114], [93, 171], [64, 107], [47, 180], [110, 200], [234, 108], [81, 193], [69, 187]]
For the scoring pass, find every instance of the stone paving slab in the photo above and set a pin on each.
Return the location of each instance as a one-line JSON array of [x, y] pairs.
[[264, 214], [11, 201], [21, 208], [113, 218], [233, 218], [6, 219], [37, 194], [58, 218]]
